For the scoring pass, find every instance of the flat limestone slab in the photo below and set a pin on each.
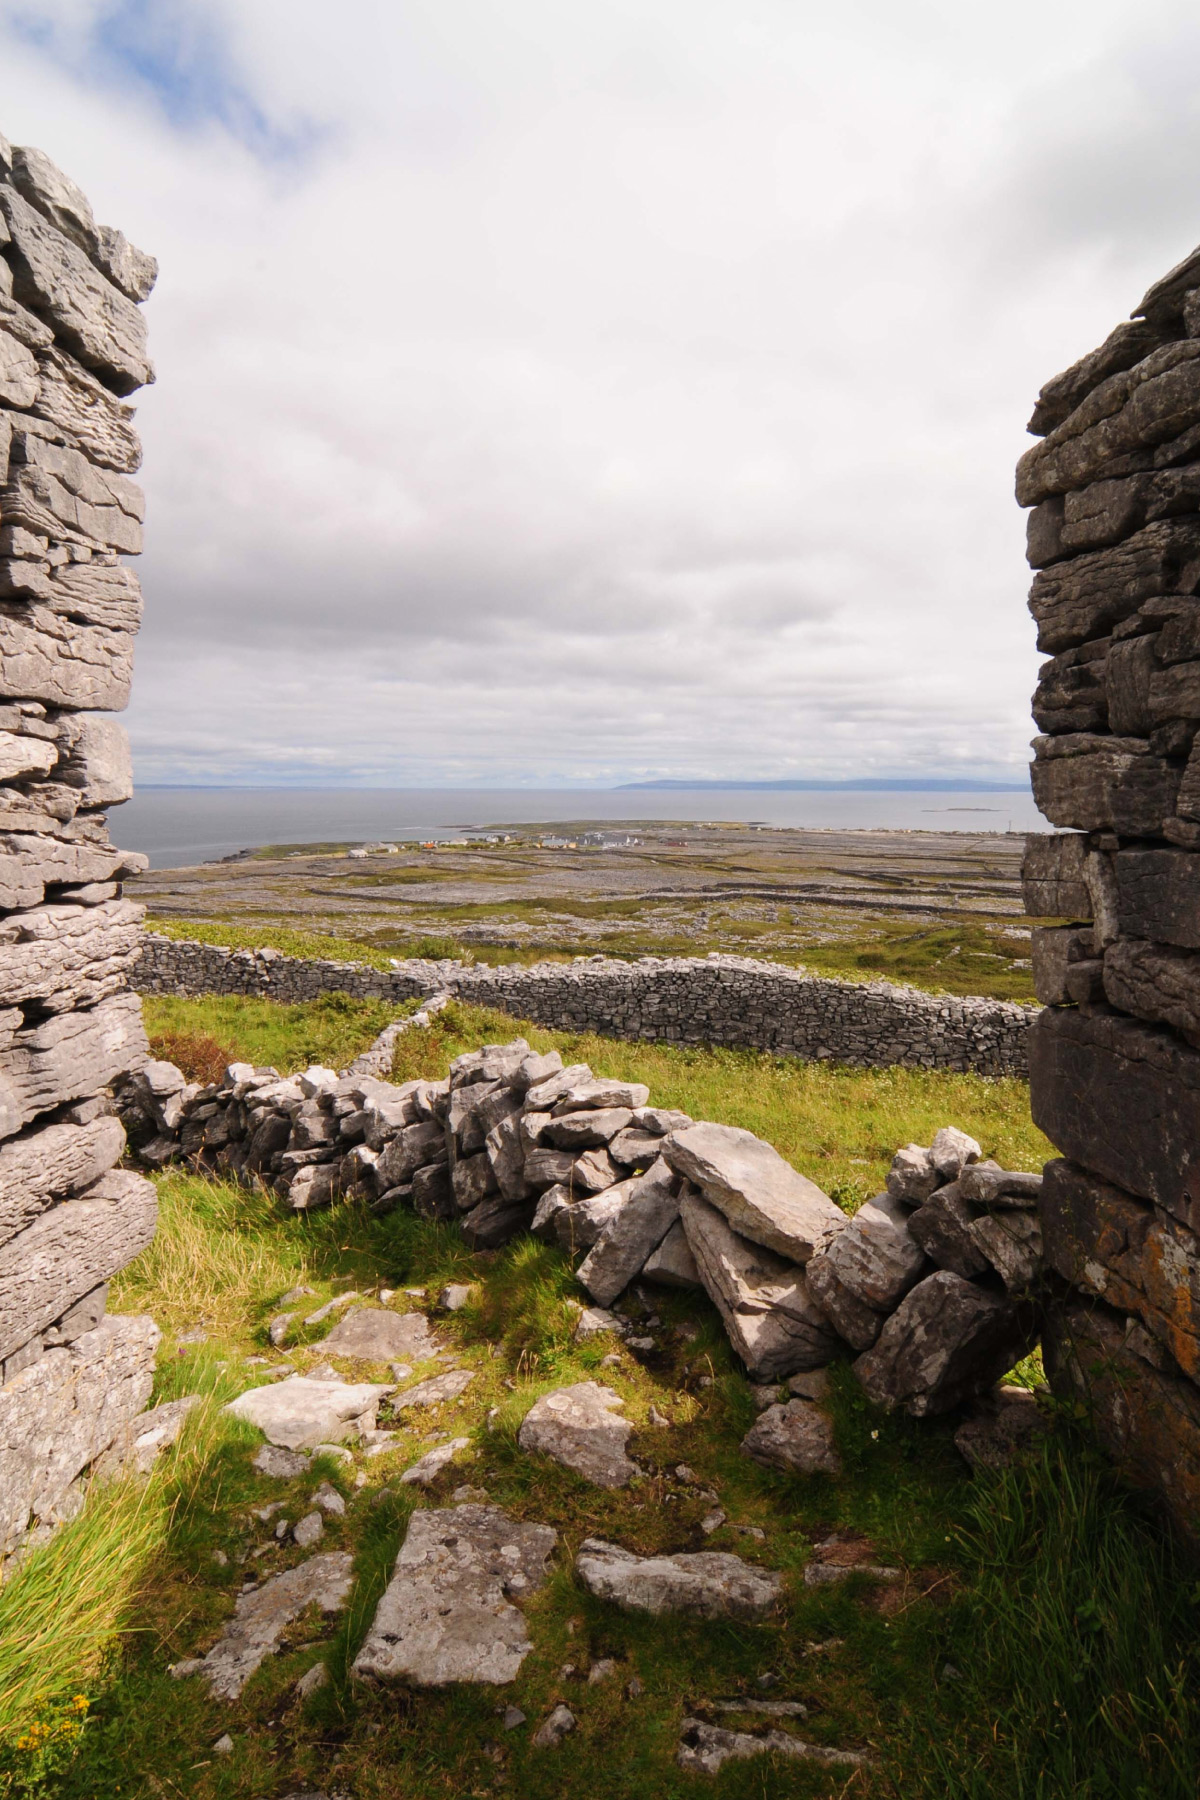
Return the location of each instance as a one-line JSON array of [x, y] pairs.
[[575, 1426], [447, 1613], [299, 1413], [372, 1334], [763, 1197], [709, 1584], [260, 1619], [704, 1749], [639, 1227], [773, 1322]]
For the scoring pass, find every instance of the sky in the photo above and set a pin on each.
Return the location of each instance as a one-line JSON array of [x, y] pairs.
[[562, 394]]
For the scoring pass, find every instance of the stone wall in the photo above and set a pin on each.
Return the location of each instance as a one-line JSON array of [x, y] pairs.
[[72, 346], [1114, 535], [727, 1000]]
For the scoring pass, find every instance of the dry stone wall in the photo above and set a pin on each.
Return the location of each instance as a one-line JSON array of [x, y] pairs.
[[1114, 535], [72, 347], [726, 1000]]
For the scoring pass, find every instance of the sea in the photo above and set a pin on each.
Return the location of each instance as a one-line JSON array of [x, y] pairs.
[[177, 827]]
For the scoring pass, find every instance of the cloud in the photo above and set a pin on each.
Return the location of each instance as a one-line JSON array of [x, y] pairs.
[[576, 394]]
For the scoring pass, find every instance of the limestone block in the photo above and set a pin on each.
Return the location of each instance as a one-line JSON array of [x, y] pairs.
[[55, 491], [67, 1057], [1127, 670], [1052, 876], [495, 1220], [262, 1616], [97, 593], [1122, 349], [91, 317], [1116, 429], [947, 1340], [97, 760], [1156, 983], [447, 1615], [1083, 598], [797, 1438], [54, 195], [300, 1413], [506, 1152], [71, 1249], [672, 1264], [415, 1147], [376, 1334], [1076, 778], [942, 1227], [1147, 1416], [62, 1412], [586, 1130], [876, 1257], [762, 1197], [86, 413], [25, 756], [1130, 1254], [134, 271], [1054, 948], [47, 1164], [50, 657], [68, 956], [772, 1321], [1071, 694], [578, 1428], [18, 372], [642, 1222], [1158, 896], [584, 1221], [1012, 1243], [850, 1316], [706, 1584]]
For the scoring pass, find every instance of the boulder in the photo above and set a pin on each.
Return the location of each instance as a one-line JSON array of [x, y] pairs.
[[876, 1257], [301, 1413], [942, 1227], [575, 1427], [989, 1185], [762, 1197], [495, 1220], [912, 1176], [773, 1322], [1012, 1242], [947, 1341], [797, 1438], [850, 1317], [951, 1151], [647, 1213], [374, 1334], [587, 1130], [261, 1618], [447, 1615], [581, 1223], [707, 1584], [594, 1171]]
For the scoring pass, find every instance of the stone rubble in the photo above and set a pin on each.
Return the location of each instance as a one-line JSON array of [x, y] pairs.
[[261, 1617], [707, 1584], [1113, 488]]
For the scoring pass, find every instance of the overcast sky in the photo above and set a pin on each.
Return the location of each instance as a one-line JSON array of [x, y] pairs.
[[561, 392]]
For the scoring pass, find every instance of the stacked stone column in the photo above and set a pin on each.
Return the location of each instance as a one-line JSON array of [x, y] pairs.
[[72, 347], [1114, 535]]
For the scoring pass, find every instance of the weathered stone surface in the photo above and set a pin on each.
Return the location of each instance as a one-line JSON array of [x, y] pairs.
[[597, 1093], [91, 317], [136, 1448], [373, 1334], [71, 1249], [708, 1584], [96, 759], [952, 1150], [261, 1618], [987, 1184], [942, 1227], [636, 1149], [1128, 1253], [432, 1193], [557, 1725], [1155, 982], [447, 1613], [620, 1252], [54, 195], [134, 271], [472, 1180], [876, 1256], [1055, 948], [672, 1264], [1012, 1242], [59, 1414], [282, 1465], [45, 655], [1071, 694], [850, 1317], [1147, 1417], [587, 1129], [594, 1171], [549, 1168], [1082, 599], [797, 1438], [947, 1340], [68, 956], [773, 1322], [1053, 882], [1122, 349], [576, 1427], [705, 1749], [85, 412], [912, 1176], [582, 1223], [1123, 1099], [1158, 896], [1118, 427], [495, 1220], [18, 372], [57, 1161], [1001, 1429], [437, 1391], [506, 1153], [301, 1413], [762, 1197], [1096, 783], [416, 1147], [54, 491]]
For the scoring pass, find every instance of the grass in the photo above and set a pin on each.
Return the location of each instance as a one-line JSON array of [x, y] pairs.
[[1068, 1621], [265, 934], [331, 1031]]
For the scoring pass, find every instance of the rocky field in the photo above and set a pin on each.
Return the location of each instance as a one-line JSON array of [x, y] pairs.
[[942, 909]]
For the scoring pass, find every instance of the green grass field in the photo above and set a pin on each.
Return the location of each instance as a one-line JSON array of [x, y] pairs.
[[1042, 1645]]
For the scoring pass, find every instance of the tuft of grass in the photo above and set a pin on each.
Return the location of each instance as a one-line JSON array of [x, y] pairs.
[[332, 1030]]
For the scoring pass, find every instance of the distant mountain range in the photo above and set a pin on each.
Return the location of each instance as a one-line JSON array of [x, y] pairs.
[[907, 784]]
